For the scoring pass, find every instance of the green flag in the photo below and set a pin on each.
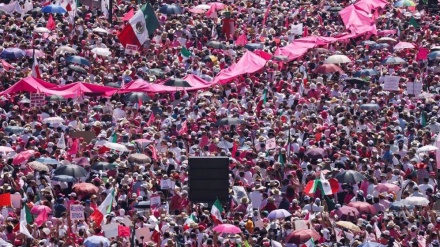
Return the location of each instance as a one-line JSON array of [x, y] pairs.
[[281, 158], [185, 52], [29, 218], [113, 138], [413, 22], [151, 21], [264, 96]]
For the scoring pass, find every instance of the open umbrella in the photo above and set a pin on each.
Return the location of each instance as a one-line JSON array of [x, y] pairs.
[[82, 161], [196, 10], [170, 9], [41, 30], [63, 178], [334, 9], [97, 241], [101, 51], [386, 40], [227, 228], [34, 52], [116, 146], [143, 205], [103, 166], [393, 61], [53, 120], [48, 161], [347, 213], [175, 82], [367, 72], [216, 45], [139, 158], [24, 101], [85, 188], [355, 80], [368, 42], [22, 157], [210, 58], [427, 148], [229, 121], [254, 46], [54, 9], [416, 201], [348, 225], [75, 171], [38, 208], [99, 30], [280, 58], [387, 187], [78, 60], [64, 49], [12, 53], [38, 166], [301, 236], [404, 3], [4, 149], [369, 107], [225, 145], [203, 6], [379, 46], [136, 97], [315, 153], [435, 55], [113, 85], [349, 176], [77, 68], [363, 207], [157, 72], [337, 59], [14, 129], [55, 98], [278, 214], [328, 68], [404, 45], [217, 5]]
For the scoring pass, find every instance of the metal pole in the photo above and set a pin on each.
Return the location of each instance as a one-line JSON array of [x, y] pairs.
[[110, 11]]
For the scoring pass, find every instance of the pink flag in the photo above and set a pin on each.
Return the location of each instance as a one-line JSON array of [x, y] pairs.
[[266, 56], [151, 120], [50, 23], [41, 218], [74, 148], [183, 129], [241, 40], [154, 152]]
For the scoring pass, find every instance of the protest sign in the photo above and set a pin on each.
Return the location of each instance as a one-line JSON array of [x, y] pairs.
[[414, 88], [110, 230], [131, 49], [239, 193], [76, 212], [300, 224], [297, 29], [391, 83], [16, 200], [155, 200], [271, 144], [143, 234], [165, 184], [37, 99]]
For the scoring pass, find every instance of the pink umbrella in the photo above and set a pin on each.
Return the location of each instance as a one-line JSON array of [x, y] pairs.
[[404, 45], [197, 10], [5, 149], [347, 213], [217, 5], [387, 187], [227, 228], [7, 66], [38, 53], [22, 157], [37, 209]]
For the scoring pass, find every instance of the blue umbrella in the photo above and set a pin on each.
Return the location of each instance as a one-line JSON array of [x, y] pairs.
[[78, 60], [367, 72], [48, 161], [63, 178], [379, 46], [171, 9], [97, 241], [54, 9], [368, 42], [435, 55], [371, 244], [395, 206], [393, 60], [12, 53], [254, 46]]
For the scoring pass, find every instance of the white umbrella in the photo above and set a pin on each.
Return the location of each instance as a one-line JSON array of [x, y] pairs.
[[427, 148], [202, 6], [102, 52], [225, 145], [65, 49], [425, 95], [416, 201], [100, 30], [5, 149], [338, 59], [386, 39], [53, 120], [116, 146], [41, 30], [278, 214]]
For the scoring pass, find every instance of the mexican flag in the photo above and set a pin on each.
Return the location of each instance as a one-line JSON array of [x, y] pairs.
[[216, 211], [143, 24], [185, 53], [191, 219], [325, 185], [322, 183], [24, 222], [35, 68], [309, 243], [104, 208]]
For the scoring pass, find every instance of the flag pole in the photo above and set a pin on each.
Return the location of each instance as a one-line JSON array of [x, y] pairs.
[[110, 11]]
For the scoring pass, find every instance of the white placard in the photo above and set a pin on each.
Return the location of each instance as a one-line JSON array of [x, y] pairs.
[[143, 232], [300, 224], [259, 224], [239, 193], [414, 88], [155, 200], [76, 212], [391, 83], [16, 200], [297, 29], [127, 222], [110, 230], [131, 49], [271, 144], [165, 184]]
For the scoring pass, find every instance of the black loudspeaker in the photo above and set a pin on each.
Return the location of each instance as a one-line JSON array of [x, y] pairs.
[[208, 179]]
